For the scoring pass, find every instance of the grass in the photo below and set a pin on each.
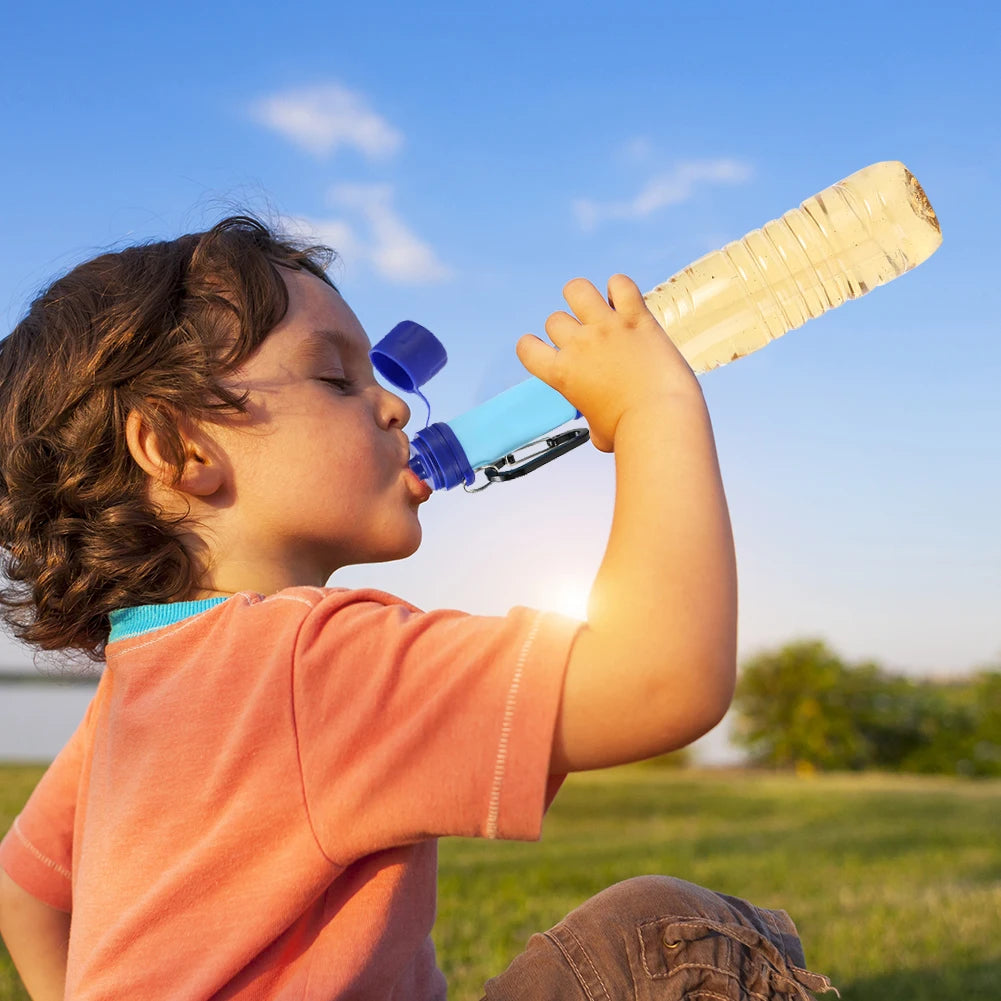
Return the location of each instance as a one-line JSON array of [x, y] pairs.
[[894, 882]]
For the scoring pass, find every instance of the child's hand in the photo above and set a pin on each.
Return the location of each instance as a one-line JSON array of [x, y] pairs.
[[611, 357]]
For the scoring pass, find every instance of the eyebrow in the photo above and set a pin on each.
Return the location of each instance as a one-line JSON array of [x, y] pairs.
[[317, 344]]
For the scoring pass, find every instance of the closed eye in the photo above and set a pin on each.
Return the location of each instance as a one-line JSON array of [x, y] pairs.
[[344, 385]]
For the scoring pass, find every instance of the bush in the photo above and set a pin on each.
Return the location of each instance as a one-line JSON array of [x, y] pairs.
[[802, 707]]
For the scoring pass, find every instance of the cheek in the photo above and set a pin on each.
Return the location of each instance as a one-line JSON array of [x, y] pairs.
[[351, 468], [365, 451]]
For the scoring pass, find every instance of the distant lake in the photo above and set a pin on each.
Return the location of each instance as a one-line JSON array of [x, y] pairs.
[[37, 719]]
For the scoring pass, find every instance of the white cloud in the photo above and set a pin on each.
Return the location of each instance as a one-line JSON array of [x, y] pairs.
[[380, 237], [335, 233], [324, 118], [671, 188], [639, 149]]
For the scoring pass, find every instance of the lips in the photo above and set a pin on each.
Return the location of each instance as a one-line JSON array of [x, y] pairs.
[[418, 487]]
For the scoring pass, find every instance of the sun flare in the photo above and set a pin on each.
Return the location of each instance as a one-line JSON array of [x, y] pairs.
[[567, 595]]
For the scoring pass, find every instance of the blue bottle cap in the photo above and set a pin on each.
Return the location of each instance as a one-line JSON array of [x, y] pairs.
[[438, 458], [408, 356]]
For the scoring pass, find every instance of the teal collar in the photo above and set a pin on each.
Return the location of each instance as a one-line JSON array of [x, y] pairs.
[[129, 622]]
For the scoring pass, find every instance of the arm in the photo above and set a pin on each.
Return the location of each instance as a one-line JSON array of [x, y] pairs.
[[37, 937], [654, 667]]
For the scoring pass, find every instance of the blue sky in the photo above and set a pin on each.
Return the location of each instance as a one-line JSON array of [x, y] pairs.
[[446, 153]]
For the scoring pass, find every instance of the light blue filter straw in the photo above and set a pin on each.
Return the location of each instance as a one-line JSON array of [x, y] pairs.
[[448, 453]]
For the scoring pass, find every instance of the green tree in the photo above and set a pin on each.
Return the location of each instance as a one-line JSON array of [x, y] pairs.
[[801, 706], [796, 707], [985, 756], [965, 736], [900, 718]]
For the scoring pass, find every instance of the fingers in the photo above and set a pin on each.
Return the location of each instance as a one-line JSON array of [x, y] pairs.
[[589, 306], [561, 326], [585, 300], [537, 356], [624, 295]]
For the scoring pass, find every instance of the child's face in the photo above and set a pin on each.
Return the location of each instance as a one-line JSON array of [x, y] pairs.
[[318, 468]]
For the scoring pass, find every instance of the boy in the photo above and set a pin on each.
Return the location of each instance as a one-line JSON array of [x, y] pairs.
[[193, 441]]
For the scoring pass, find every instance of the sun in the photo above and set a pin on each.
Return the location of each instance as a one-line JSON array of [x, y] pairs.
[[567, 595]]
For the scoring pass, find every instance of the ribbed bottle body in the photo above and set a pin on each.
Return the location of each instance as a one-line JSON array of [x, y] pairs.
[[841, 243]]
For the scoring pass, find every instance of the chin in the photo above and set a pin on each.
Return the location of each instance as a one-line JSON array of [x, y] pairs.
[[410, 546], [400, 551]]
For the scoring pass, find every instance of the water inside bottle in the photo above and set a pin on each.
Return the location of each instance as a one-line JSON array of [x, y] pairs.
[[851, 237]]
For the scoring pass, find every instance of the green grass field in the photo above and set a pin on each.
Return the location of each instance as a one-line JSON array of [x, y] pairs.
[[894, 882]]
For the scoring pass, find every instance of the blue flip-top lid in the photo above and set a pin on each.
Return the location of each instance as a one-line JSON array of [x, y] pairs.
[[408, 356]]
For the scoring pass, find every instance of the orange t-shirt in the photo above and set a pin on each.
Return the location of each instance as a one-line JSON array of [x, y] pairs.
[[249, 808]]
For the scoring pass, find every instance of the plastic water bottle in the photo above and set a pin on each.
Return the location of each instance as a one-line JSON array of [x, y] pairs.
[[862, 232], [857, 234]]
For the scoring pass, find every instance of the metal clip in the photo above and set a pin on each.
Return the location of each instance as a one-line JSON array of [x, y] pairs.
[[515, 464]]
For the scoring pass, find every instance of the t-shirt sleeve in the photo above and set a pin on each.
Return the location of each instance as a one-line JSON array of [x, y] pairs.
[[413, 724], [37, 852]]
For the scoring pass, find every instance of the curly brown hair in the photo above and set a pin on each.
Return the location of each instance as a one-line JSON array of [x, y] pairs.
[[152, 328]]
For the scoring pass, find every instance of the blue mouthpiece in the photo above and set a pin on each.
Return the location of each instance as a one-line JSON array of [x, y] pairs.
[[437, 458]]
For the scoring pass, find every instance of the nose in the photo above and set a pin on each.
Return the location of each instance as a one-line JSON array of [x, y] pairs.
[[393, 411]]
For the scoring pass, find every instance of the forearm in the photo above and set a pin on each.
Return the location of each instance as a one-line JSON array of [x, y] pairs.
[[37, 938]]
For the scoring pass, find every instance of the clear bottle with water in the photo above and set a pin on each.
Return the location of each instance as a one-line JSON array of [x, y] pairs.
[[840, 244], [862, 232]]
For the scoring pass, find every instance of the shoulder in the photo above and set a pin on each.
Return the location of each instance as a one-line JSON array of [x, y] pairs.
[[242, 613], [316, 607], [329, 598], [297, 620]]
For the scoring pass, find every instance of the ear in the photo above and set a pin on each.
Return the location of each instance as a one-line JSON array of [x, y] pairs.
[[202, 475]]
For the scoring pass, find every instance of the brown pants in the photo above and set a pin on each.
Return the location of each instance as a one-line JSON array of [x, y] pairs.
[[655, 938]]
